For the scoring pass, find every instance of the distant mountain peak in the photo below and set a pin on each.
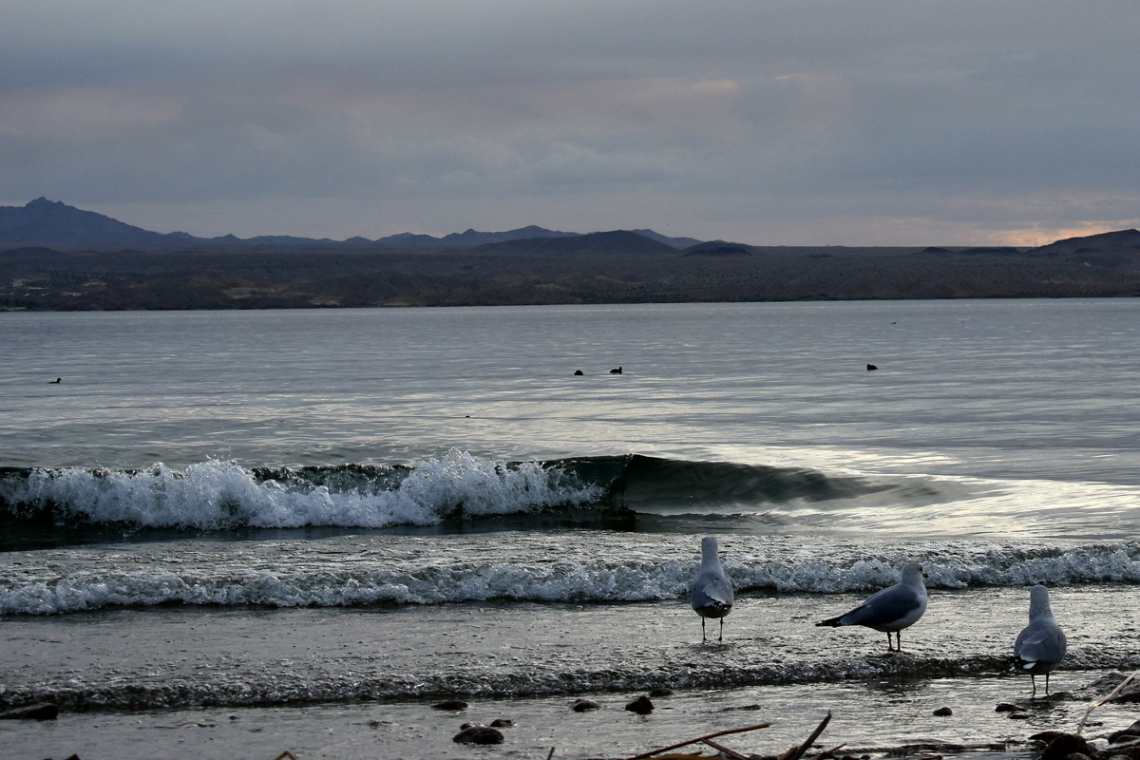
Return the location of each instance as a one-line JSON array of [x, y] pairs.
[[44, 203]]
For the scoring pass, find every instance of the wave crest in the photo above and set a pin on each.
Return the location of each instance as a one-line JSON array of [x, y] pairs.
[[215, 495]]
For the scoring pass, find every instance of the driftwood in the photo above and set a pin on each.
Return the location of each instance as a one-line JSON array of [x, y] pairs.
[[286, 755], [795, 753], [830, 753], [729, 753], [1105, 701], [904, 750], [651, 753]]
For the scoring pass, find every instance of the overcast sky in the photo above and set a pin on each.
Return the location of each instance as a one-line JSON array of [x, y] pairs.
[[790, 122]]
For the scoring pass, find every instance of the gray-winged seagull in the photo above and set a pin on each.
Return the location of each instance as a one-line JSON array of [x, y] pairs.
[[890, 610], [712, 591], [1041, 645]]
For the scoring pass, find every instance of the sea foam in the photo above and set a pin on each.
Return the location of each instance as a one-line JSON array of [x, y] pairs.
[[353, 571]]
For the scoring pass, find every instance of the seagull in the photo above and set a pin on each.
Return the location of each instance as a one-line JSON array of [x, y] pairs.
[[1041, 645], [712, 591], [892, 609]]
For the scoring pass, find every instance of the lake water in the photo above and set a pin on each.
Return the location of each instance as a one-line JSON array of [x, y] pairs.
[[245, 532]]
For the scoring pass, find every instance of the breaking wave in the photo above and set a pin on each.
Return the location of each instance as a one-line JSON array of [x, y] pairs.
[[352, 573], [218, 495]]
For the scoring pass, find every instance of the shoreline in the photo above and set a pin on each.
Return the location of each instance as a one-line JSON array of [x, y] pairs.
[[879, 719]]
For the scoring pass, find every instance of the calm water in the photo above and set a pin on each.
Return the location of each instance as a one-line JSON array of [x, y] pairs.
[[324, 518]]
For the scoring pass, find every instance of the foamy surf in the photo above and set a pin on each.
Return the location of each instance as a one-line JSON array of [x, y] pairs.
[[562, 567], [218, 495]]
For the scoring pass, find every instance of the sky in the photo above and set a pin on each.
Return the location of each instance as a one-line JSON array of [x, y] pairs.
[[791, 122]]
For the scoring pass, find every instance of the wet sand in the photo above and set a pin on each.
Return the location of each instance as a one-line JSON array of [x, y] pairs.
[[357, 683]]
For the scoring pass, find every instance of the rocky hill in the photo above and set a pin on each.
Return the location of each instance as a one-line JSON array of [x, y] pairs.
[[182, 272]]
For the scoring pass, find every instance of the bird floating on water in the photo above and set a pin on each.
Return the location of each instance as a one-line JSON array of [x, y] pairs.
[[890, 610], [615, 371], [57, 381], [1041, 645], [712, 591]]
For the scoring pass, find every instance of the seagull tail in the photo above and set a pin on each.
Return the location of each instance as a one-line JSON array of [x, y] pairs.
[[831, 622]]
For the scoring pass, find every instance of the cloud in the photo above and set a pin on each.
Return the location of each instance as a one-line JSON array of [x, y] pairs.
[[746, 119]]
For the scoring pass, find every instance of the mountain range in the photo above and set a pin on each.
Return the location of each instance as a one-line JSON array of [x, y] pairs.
[[53, 223]]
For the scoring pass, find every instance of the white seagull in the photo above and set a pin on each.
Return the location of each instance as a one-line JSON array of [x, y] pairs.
[[712, 591], [890, 610], [1041, 645]]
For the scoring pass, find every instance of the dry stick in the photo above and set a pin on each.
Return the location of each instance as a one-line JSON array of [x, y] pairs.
[[653, 752], [1106, 700], [811, 739], [551, 754], [731, 753]]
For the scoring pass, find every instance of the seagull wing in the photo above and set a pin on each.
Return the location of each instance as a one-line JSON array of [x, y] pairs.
[[1040, 641], [712, 589], [884, 608]]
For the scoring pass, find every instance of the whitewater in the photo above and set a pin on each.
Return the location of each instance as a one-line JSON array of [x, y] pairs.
[[306, 519]]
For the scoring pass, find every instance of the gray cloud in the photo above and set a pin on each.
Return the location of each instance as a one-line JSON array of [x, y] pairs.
[[770, 122]]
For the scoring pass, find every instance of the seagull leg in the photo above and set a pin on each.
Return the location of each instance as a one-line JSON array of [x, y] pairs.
[[722, 634], [890, 642], [1046, 684], [1034, 679], [702, 630], [898, 635]]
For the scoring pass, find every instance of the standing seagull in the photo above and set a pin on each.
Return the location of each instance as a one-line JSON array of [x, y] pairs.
[[1040, 647], [890, 610], [712, 592]]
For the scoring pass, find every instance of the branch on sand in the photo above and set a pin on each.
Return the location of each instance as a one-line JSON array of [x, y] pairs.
[[654, 752]]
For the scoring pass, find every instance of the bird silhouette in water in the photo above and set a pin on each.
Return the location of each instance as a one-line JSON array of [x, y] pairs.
[[57, 381], [890, 610], [1041, 645], [712, 591], [616, 371]]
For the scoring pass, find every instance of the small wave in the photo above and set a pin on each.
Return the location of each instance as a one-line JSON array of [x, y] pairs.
[[534, 569], [670, 483], [278, 684]]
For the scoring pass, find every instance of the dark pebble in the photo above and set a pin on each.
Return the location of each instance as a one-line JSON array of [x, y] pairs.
[[1065, 745], [450, 704], [479, 735], [1019, 716], [1046, 736], [32, 712], [1007, 707], [642, 705], [502, 723], [943, 711], [1133, 730], [661, 691], [582, 705]]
